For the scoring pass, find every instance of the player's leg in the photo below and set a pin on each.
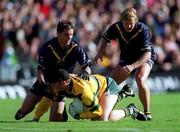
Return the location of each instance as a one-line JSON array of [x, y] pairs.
[[144, 92], [116, 115], [33, 97], [58, 111], [130, 110], [28, 105], [109, 98], [42, 108], [118, 75], [107, 103]]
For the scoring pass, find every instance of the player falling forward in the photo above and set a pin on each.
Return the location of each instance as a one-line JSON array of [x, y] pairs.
[[99, 95]]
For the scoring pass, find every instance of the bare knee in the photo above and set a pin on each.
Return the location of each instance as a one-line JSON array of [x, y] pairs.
[[140, 80]]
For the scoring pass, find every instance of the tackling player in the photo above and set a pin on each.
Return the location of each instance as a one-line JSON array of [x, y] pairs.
[[59, 52]]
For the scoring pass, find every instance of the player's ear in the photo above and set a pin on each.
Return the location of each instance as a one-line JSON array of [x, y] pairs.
[[65, 82], [58, 33], [136, 19]]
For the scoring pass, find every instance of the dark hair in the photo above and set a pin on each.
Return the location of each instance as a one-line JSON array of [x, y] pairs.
[[60, 75], [64, 25]]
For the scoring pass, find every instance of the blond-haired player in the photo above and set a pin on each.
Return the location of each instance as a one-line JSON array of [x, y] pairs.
[[136, 53]]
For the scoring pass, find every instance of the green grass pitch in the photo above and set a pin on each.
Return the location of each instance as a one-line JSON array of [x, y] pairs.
[[165, 110]]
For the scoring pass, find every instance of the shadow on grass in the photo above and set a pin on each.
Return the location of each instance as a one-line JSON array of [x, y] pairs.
[[30, 121], [22, 121]]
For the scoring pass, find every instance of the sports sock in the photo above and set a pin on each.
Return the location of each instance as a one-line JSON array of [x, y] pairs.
[[148, 115], [128, 111], [121, 96]]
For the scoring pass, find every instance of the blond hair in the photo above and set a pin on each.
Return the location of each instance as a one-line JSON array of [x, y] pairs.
[[129, 13]]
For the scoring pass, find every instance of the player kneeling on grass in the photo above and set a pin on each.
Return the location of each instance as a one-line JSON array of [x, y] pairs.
[[99, 95]]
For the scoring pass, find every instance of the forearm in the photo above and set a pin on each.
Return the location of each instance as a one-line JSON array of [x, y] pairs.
[[102, 48], [91, 115], [88, 115], [40, 76], [143, 59], [87, 69]]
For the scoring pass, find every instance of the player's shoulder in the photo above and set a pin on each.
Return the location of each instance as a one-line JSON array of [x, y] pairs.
[[119, 23], [52, 42], [142, 26], [74, 43], [75, 46], [98, 76]]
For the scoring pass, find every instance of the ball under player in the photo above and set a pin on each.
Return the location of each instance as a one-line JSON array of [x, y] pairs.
[[99, 95], [136, 53], [59, 52]]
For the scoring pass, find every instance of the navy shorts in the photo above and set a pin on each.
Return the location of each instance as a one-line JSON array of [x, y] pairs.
[[150, 62]]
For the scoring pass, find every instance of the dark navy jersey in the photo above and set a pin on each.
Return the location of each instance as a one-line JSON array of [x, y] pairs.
[[52, 57], [132, 44]]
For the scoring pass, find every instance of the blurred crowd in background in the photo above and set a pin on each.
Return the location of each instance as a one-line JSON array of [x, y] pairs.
[[26, 24]]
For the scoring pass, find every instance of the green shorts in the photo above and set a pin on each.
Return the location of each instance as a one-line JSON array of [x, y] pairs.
[[112, 87]]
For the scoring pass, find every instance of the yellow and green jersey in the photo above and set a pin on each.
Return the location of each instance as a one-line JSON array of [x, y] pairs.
[[90, 92]]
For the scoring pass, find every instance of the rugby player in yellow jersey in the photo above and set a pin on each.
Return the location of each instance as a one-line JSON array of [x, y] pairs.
[[99, 95]]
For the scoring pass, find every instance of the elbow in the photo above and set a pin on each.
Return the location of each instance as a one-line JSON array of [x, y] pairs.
[[98, 113], [147, 55]]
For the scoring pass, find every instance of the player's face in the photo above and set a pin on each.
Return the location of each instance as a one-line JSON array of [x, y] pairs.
[[129, 24], [65, 37]]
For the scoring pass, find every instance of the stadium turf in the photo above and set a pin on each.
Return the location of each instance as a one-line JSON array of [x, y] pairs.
[[165, 111]]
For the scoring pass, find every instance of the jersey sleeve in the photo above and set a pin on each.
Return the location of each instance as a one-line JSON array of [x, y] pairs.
[[82, 57], [43, 57], [109, 34], [146, 41]]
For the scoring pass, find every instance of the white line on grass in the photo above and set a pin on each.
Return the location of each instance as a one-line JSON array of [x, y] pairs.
[[69, 130], [63, 129]]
